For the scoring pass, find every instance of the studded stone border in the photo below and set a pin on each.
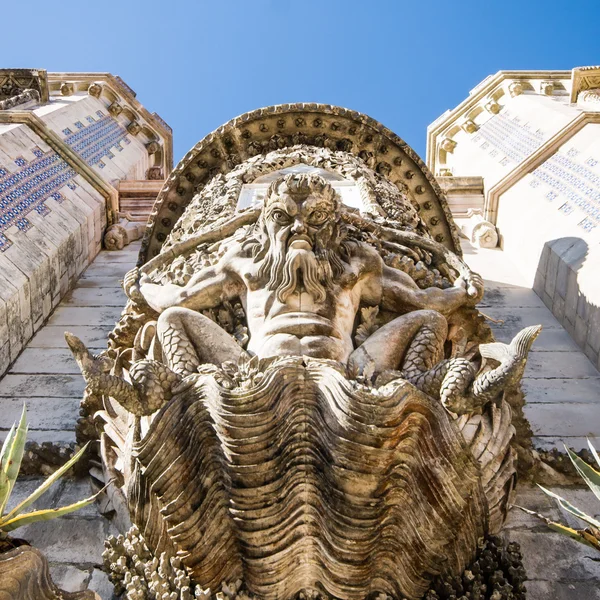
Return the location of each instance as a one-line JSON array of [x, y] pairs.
[[322, 125]]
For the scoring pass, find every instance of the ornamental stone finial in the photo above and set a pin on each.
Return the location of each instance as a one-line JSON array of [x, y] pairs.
[[67, 88], [515, 88], [493, 107], [469, 126], [448, 144], [134, 127], [95, 90], [153, 147], [115, 109], [154, 173]]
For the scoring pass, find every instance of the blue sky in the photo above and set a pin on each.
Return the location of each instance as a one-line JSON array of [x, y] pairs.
[[199, 64]]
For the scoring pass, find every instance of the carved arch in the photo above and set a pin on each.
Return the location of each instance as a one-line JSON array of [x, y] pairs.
[[277, 127]]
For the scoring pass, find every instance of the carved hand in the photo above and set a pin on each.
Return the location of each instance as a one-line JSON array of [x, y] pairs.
[[473, 284], [131, 286]]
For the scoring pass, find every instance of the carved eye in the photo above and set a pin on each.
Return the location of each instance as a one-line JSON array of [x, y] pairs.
[[318, 217], [279, 216]]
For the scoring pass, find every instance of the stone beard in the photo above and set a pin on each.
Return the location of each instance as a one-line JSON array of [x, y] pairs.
[[288, 260]]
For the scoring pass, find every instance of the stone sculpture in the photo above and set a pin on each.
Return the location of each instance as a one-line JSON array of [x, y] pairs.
[[297, 395]]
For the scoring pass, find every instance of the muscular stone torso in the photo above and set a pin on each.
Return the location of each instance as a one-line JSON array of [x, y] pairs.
[[300, 325]]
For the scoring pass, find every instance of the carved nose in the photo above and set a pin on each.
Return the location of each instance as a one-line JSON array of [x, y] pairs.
[[298, 227]]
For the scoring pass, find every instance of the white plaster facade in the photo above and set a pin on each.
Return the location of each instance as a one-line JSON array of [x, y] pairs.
[[534, 139]]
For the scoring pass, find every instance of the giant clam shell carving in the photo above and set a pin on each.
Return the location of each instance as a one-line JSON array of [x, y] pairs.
[[304, 480], [300, 393]]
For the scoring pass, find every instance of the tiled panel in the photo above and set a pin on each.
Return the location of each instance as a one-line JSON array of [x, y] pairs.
[[573, 184], [94, 140], [505, 138], [571, 180], [28, 189]]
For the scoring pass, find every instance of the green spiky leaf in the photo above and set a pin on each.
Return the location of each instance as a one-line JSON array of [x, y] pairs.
[[12, 462], [583, 536], [6, 444], [4, 487], [571, 509], [45, 515], [44, 487], [589, 475], [594, 453]]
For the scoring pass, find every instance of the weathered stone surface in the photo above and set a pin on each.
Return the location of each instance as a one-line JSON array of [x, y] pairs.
[[53, 336], [270, 353], [26, 576], [100, 584], [69, 578], [85, 539], [65, 316], [45, 361]]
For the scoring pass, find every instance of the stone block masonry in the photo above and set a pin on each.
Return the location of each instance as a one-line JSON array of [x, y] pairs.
[[62, 152]]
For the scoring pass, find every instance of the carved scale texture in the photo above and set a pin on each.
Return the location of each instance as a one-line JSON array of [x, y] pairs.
[[308, 481], [24, 575]]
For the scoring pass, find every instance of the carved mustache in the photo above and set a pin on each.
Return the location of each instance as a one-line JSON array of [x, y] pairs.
[[300, 238]]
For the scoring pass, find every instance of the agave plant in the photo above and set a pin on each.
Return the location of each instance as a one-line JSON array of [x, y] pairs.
[[590, 535], [10, 463]]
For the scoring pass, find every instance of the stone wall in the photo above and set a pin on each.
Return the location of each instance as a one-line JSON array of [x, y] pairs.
[[51, 223], [549, 225], [65, 145], [565, 282]]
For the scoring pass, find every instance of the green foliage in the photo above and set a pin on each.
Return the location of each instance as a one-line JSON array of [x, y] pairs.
[[11, 456], [590, 535]]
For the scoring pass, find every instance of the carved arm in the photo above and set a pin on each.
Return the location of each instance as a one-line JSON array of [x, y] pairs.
[[399, 291]]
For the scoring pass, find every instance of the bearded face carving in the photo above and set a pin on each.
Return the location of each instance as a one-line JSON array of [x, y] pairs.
[[299, 236]]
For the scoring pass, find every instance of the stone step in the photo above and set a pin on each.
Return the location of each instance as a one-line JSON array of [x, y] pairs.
[[85, 315], [105, 296], [53, 336], [45, 361]]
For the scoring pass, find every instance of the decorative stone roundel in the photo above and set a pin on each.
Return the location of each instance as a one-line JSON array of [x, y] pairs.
[[278, 127]]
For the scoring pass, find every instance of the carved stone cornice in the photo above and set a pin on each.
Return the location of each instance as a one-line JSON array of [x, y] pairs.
[[23, 98], [98, 83], [285, 125], [592, 96], [14, 82], [584, 78]]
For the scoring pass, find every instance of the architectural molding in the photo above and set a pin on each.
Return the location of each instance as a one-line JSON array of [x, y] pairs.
[[116, 90], [277, 127], [480, 96], [534, 160], [38, 126], [584, 78], [16, 81]]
